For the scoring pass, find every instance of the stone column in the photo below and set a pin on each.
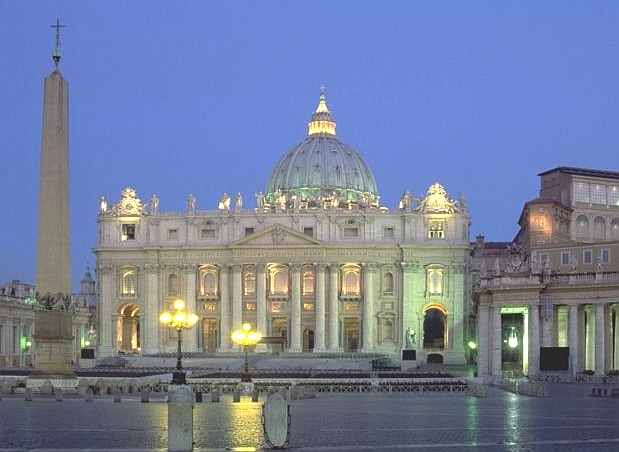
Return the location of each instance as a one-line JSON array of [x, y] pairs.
[[224, 309], [533, 339], [483, 352], [369, 271], [295, 308], [237, 299], [457, 339], [497, 342], [616, 338], [104, 311], [600, 336], [589, 329], [319, 338], [573, 340], [334, 330], [261, 303], [151, 314], [190, 336], [548, 319]]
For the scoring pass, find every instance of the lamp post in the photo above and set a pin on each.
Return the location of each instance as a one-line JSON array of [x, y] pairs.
[[179, 319], [246, 337]]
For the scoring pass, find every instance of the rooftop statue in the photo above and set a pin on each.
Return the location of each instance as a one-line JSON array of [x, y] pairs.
[[238, 205], [191, 203], [224, 202], [154, 204], [103, 206]]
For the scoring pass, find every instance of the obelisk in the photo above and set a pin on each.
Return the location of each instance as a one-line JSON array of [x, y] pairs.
[[53, 324], [53, 264]]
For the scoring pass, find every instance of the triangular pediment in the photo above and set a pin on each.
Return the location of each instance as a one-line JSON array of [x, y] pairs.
[[276, 235]]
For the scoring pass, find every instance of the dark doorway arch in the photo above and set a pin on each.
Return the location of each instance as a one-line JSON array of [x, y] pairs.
[[308, 340], [434, 324], [435, 358]]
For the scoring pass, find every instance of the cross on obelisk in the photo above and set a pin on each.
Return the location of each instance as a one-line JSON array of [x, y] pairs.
[[56, 54]]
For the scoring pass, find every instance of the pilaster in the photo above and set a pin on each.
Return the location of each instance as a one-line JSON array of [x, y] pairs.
[[224, 309], [368, 321], [190, 335], [261, 303], [319, 340], [151, 314], [295, 308]]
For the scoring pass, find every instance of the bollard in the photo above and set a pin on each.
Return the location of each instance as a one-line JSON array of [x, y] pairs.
[[88, 395], [180, 418], [117, 398], [255, 395], [236, 396], [144, 396], [28, 395], [58, 394], [199, 397]]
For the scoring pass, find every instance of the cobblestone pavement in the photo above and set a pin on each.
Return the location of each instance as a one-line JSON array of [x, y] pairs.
[[332, 422]]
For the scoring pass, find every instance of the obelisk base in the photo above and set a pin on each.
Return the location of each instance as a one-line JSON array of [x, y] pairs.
[[53, 341]]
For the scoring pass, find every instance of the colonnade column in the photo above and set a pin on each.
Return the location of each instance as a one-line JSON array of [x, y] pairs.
[[533, 339], [600, 339], [616, 338], [319, 339], [573, 340], [191, 335], [151, 314], [237, 298], [295, 308], [369, 271], [334, 333], [261, 303], [548, 320], [482, 341], [224, 309], [104, 312], [497, 342]]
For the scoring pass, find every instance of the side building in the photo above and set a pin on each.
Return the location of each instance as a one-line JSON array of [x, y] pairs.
[[549, 300], [318, 261]]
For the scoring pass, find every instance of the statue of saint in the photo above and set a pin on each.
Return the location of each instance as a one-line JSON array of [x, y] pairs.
[[154, 204], [238, 205], [405, 201], [260, 200], [335, 202], [411, 338], [224, 202], [281, 201], [103, 206], [296, 202], [191, 203]]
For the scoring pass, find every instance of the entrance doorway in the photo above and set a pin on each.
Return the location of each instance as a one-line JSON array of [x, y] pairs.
[[512, 351], [279, 327], [434, 327], [210, 335], [308, 340], [128, 329], [351, 335]]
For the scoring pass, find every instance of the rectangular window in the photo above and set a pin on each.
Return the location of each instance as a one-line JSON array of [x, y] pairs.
[[249, 231], [309, 231], [604, 255], [211, 307], [308, 307], [436, 229], [128, 232], [543, 258], [587, 257], [613, 196], [15, 340], [388, 233], [581, 192], [250, 306], [565, 258], [276, 307], [208, 234], [598, 194], [172, 234], [351, 233]]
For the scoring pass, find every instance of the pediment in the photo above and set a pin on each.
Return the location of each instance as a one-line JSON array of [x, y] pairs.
[[276, 236]]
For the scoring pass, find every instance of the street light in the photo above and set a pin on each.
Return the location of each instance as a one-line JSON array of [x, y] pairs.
[[179, 319], [246, 337]]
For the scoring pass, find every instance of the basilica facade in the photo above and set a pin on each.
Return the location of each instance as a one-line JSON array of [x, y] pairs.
[[319, 261]]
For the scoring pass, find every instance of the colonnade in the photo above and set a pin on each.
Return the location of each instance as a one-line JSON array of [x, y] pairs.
[[591, 331]]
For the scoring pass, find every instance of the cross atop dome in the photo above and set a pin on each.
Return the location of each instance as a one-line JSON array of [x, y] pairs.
[[322, 122]]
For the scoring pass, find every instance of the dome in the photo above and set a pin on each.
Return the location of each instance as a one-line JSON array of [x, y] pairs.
[[322, 167]]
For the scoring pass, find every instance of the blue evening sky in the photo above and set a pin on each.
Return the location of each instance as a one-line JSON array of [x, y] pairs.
[[204, 97]]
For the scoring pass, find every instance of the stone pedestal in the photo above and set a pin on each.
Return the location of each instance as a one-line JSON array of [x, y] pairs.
[[408, 359], [180, 418], [53, 339]]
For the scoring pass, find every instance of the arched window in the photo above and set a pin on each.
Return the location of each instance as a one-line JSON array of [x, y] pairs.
[[388, 283], [308, 283], [351, 283], [209, 283], [278, 280], [249, 284], [582, 226], [599, 228], [614, 229], [129, 283], [173, 285], [434, 281]]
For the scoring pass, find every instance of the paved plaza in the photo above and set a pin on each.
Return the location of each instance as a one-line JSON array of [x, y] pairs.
[[566, 421]]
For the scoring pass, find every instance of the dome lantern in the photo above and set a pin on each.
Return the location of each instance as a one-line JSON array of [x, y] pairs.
[[322, 122]]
